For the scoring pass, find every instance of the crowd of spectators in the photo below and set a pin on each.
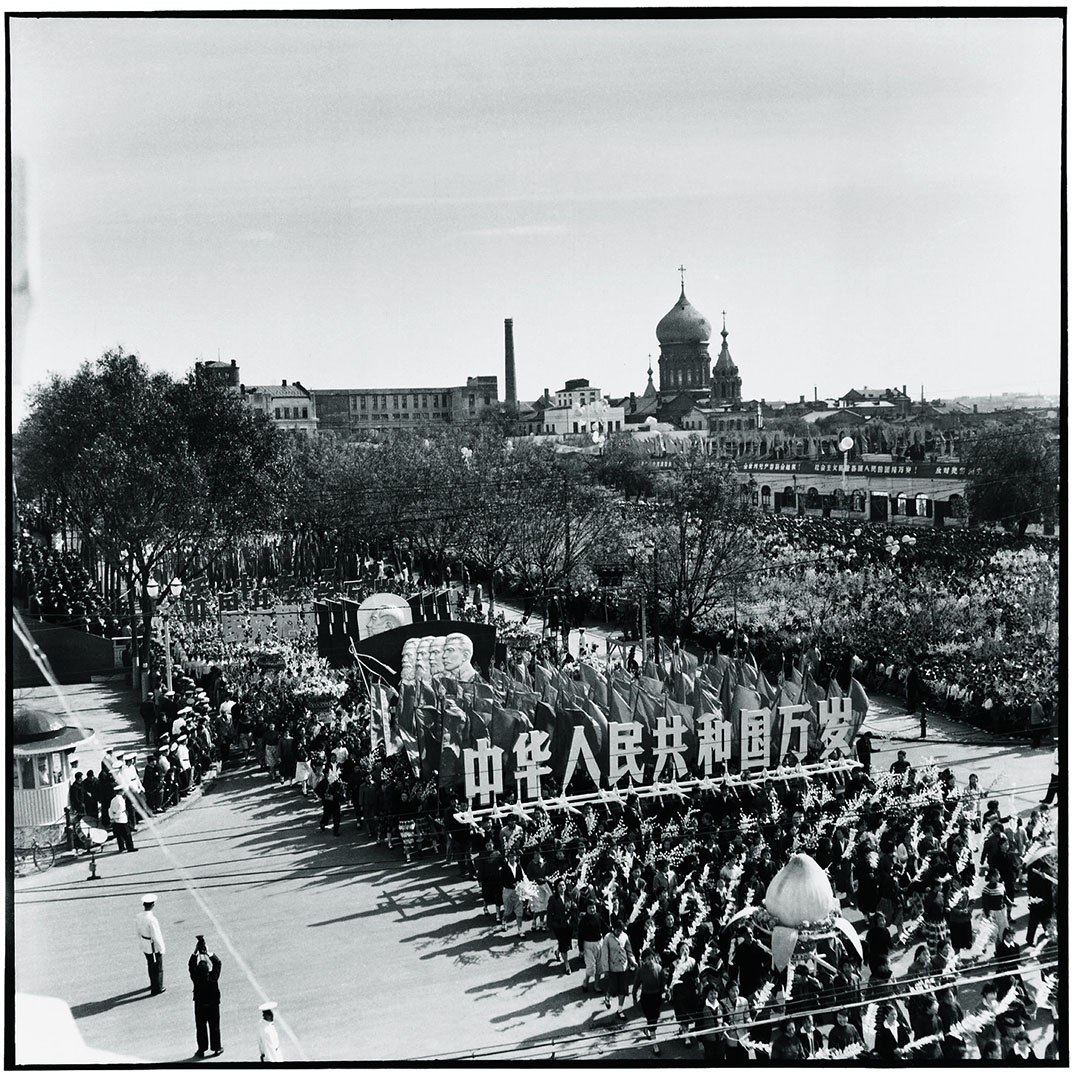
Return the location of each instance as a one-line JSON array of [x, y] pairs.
[[57, 587]]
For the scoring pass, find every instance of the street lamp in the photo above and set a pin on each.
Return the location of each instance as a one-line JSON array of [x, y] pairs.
[[650, 549], [153, 590], [176, 587]]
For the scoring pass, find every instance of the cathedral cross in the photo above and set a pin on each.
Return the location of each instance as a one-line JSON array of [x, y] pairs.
[[682, 279]]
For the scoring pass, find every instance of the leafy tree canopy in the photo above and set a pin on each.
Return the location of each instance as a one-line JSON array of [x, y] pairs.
[[1013, 476], [142, 464]]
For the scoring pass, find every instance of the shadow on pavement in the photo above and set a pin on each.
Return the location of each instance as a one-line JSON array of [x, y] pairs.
[[96, 1007], [553, 1005]]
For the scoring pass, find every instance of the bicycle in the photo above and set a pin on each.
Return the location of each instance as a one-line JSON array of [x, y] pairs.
[[40, 855]]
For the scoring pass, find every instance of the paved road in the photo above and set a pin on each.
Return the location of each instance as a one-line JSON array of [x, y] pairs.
[[368, 958]]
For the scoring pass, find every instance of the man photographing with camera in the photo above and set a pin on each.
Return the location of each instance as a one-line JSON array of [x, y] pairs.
[[204, 969]]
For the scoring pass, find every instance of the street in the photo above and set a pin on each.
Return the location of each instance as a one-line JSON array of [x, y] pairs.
[[367, 957]]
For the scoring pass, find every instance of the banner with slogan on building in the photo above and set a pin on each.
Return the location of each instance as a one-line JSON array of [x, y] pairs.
[[284, 623]]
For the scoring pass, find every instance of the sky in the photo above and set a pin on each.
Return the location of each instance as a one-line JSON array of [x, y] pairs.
[[361, 203]]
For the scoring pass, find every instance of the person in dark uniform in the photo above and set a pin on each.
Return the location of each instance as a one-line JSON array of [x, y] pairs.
[[863, 748], [149, 712], [204, 969], [90, 794], [331, 793]]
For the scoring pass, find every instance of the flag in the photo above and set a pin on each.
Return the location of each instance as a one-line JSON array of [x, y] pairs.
[[654, 686], [860, 703], [429, 738], [706, 700], [644, 705], [380, 707], [764, 687], [407, 726], [506, 725], [684, 687], [501, 684], [544, 718], [479, 715], [686, 713], [523, 698], [454, 734], [619, 709], [596, 682], [621, 681], [543, 677]]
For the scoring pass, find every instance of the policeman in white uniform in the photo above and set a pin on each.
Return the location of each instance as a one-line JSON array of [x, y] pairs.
[[131, 785], [269, 1046], [153, 944]]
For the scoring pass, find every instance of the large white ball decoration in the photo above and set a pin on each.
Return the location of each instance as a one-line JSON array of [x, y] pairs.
[[799, 893]]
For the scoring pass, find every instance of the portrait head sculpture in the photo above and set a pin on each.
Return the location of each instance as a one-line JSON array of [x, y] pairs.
[[381, 612], [457, 656], [426, 658]]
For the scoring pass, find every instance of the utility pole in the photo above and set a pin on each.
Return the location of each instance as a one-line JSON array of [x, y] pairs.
[[656, 605]]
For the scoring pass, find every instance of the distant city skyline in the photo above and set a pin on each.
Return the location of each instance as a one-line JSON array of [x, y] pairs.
[[363, 202]]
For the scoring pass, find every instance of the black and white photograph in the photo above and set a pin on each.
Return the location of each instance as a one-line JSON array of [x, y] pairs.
[[540, 530]]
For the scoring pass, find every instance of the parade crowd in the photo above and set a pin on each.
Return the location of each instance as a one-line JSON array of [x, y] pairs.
[[638, 893]]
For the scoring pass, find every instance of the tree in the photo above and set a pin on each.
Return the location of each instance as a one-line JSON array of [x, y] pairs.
[[145, 467], [562, 520], [702, 535], [1013, 476]]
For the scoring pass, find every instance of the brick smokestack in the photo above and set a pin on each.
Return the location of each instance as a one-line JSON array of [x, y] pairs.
[[511, 373]]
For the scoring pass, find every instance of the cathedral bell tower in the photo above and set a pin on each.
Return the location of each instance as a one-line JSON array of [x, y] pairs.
[[726, 389]]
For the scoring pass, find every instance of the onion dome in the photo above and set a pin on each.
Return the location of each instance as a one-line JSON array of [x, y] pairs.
[[36, 731], [799, 893], [724, 363], [683, 324]]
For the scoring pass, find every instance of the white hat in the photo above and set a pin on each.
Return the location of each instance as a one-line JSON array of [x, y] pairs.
[[268, 1006], [149, 899]]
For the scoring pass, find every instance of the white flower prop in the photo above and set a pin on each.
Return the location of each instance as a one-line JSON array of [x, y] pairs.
[[983, 939], [849, 1053], [685, 963], [527, 890], [919, 1043], [869, 1025], [650, 933]]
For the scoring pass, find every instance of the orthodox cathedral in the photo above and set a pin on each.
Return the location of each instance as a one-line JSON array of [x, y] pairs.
[[693, 390]]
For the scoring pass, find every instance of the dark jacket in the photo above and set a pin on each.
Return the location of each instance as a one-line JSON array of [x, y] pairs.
[[509, 875], [590, 928], [204, 983]]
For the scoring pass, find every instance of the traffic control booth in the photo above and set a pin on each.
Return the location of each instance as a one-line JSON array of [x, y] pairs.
[[42, 745]]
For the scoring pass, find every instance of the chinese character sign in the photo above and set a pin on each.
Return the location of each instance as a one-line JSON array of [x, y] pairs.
[[762, 737]]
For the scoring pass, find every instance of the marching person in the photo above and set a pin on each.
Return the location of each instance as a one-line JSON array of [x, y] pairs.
[[616, 959], [269, 1046], [559, 924], [650, 983], [204, 969], [153, 944], [511, 875], [590, 934]]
